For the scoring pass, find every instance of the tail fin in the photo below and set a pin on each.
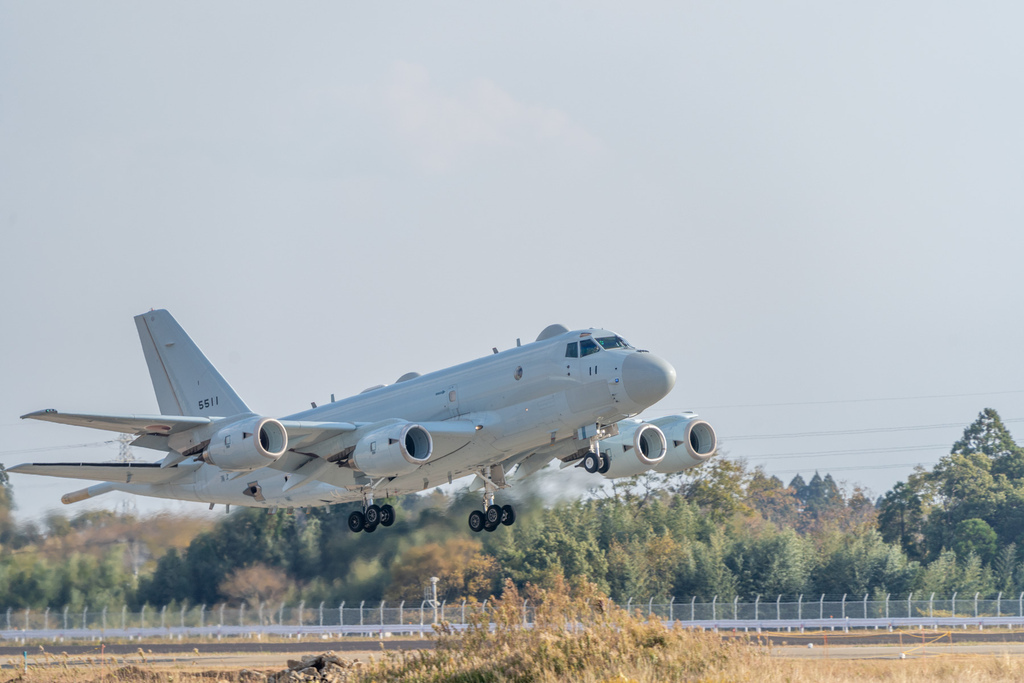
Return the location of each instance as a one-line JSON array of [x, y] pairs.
[[186, 383]]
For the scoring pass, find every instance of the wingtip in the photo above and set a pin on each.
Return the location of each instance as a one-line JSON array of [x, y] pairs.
[[36, 414]]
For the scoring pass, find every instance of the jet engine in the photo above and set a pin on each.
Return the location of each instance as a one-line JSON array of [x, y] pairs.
[[393, 450], [644, 439], [247, 445], [690, 442]]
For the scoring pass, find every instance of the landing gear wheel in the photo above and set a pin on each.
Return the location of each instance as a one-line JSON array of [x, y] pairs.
[[387, 515], [606, 463], [369, 528], [372, 515], [590, 462], [477, 521], [491, 527], [493, 516], [508, 515], [356, 521]]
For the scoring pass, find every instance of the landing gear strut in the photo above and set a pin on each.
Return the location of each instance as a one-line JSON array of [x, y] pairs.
[[371, 516], [492, 515]]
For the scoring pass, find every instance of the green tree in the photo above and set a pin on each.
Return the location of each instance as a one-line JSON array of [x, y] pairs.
[[989, 435], [901, 518], [975, 536]]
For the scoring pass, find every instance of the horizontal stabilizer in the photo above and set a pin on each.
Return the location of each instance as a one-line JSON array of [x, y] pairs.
[[125, 424], [114, 472]]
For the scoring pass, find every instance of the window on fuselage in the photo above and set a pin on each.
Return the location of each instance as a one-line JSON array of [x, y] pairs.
[[572, 350], [588, 346]]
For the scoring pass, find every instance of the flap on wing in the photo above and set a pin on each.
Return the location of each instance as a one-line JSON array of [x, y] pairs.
[[116, 472], [125, 424]]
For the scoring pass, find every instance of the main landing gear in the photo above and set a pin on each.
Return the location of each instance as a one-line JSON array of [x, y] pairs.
[[492, 515], [371, 517], [597, 462]]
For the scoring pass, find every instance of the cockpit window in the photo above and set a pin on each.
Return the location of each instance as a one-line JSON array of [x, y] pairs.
[[572, 350], [588, 346], [615, 342]]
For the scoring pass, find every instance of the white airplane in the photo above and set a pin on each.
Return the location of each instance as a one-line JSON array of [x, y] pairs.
[[571, 396]]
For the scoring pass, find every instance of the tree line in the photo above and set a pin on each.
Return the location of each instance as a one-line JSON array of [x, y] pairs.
[[723, 529]]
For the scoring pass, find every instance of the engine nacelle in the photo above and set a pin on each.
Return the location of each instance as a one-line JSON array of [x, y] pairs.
[[393, 450], [644, 439], [247, 444], [690, 442]]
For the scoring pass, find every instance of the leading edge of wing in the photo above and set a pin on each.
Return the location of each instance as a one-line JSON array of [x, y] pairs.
[[163, 425]]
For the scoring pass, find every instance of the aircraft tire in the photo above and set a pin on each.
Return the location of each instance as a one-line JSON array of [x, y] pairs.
[[356, 521], [369, 528], [372, 515], [606, 463], [590, 462], [508, 515], [491, 527], [493, 516], [387, 515], [476, 521]]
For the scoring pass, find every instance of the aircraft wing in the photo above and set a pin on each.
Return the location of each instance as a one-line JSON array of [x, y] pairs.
[[114, 472], [162, 425]]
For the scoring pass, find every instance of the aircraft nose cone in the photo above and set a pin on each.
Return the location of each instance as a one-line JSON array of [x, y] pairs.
[[646, 378]]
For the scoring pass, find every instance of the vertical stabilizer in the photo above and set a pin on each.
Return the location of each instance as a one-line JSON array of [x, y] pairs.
[[186, 383]]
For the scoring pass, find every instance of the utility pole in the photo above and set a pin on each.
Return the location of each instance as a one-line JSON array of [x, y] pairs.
[[124, 449]]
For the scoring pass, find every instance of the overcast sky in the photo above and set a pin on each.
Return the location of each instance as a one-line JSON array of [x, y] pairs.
[[806, 207]]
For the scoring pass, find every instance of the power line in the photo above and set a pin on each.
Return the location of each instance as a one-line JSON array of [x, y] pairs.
[[849, 432], [24, 451], [861, 400], [852, 451], [890, 466]]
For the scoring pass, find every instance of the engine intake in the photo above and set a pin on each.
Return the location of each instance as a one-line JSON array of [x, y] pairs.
[[247, 445], [645, 439], [690, 442], [393, 450]]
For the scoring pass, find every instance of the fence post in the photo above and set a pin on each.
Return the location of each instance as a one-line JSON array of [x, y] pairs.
[[259, 613], [800, 607], [280, 614], [650, 606], [821, 607], [363, 602], [221, 620], [124, 617], [341, 613], [999, 604], [628, 604], [27, 611], [183, 615], [104, 620], [778, 608], [422, 605], [463, 611], [163, 615], [401, 612], [382, 613], [321, 612], [865, 605], [931, 605], [843, 612], [757, 603], [1020, 605], [142, 616], [9, 619], [241, 614], [671, 609], [693, 601], [66, 607], [202, 616], [976, 604], [85, 617], [887, 605], [908, 603], [714, 615], [524, 611], [444, 603], [302, 608], [46, 619], [735, 600], [954, 604]]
